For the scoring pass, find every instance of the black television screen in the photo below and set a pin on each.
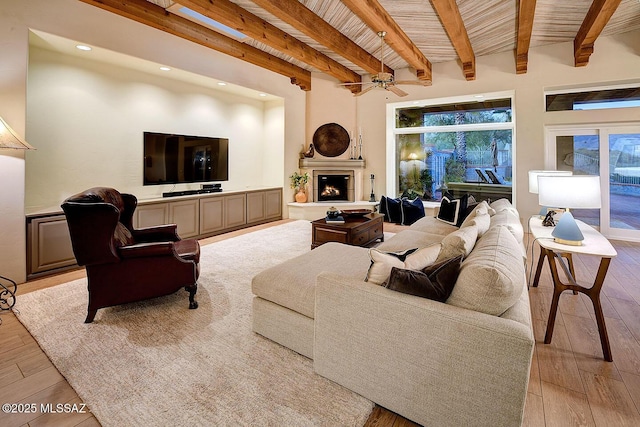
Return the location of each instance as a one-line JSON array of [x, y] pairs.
[[176, 159]]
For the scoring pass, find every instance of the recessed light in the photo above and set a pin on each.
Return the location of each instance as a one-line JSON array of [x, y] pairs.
[[83, 47], [165, 68], [222, 84], [478, 96], [263, 94]]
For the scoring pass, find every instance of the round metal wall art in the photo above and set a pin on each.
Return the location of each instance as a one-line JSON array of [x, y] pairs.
[[331, 140]]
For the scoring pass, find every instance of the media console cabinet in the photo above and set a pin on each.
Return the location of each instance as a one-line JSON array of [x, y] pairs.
[[49, 248]]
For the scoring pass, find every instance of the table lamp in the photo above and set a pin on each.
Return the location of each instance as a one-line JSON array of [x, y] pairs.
[[569, 192], [533, 183], [10, 139]]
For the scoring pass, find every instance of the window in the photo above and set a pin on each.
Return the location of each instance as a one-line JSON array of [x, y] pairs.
[[594, 99], [439, 146]]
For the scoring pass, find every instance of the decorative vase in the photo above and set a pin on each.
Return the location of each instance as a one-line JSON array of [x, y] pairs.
[[301, 196]]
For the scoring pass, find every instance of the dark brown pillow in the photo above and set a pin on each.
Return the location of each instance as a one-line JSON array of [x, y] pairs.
[[434, 282]]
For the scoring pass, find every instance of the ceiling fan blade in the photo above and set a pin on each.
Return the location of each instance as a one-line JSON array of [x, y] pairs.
[[362, 92], [397, 90], [411, 82]]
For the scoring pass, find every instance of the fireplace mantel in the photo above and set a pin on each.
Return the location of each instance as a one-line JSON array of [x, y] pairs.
[[331, 163]]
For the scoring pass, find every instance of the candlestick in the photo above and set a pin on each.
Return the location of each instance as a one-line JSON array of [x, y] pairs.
[[360, 157], [373, 196]]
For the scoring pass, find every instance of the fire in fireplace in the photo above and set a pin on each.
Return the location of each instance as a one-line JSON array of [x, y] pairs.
[[333, 187]]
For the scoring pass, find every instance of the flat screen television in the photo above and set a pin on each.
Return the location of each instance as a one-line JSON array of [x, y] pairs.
[[178, 159]]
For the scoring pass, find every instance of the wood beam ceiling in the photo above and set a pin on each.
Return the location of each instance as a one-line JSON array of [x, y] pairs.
[[232, 15], [453, 24], [155, 16], [599, 14], [378, 19], [304, 20], [526, 13]]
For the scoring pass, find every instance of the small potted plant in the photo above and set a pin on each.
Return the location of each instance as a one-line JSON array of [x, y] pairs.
[[299, 182]]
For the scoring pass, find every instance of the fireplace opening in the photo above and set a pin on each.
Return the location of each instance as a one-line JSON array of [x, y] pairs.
[[333, 188]]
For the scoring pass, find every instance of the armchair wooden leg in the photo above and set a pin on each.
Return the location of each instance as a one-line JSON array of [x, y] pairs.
[[90, 315], [193, 304]]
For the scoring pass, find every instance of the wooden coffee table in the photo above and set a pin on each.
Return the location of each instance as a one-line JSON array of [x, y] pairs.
[[357, 231]]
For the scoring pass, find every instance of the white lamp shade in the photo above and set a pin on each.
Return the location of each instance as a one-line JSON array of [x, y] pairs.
[[576, 191], [10, 139], [533, 177]]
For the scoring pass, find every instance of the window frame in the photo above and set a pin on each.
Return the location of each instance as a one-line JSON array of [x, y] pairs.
[[392, 131]]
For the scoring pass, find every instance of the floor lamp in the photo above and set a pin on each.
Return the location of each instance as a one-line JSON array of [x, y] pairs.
[[569, 192], [9, 139]]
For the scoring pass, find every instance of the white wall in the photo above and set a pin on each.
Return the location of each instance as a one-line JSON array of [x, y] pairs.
[[87, 119]]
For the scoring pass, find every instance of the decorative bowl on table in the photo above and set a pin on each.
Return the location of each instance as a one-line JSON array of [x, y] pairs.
[[356, 212]]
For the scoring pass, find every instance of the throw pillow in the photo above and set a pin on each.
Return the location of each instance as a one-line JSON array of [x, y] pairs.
[[415, 259], [412, 210], [482, 222], [460, 242], [391, 209], [477, 209], [434, 282], [451, 208]]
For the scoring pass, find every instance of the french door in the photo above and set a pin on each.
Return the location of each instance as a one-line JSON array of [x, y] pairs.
[[613, 153]]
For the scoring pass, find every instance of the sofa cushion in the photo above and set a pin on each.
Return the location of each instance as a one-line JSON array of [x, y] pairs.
[[292, 284], [491, 277], [503, 204], [409, 238], [434, 282], [482, 222], [414, 259], [451, 209], [460, 242], [511, 220], [477, 209], [432, 225]]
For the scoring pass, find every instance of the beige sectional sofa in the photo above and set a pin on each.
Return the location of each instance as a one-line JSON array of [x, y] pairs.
[[462, 362]]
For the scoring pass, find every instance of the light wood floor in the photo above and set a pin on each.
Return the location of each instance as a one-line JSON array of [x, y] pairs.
[[570, 383]]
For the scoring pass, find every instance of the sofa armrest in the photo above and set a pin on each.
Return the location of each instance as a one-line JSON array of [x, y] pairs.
[[433, 363]]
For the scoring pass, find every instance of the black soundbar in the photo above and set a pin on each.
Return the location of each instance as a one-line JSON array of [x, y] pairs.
[[190, 192]]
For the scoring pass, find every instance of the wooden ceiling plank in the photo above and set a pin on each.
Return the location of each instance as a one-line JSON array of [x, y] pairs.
[[155, 16], [526, 13], [453, 24], [599, 14], [240, 19], [378, 19], [304, 20]]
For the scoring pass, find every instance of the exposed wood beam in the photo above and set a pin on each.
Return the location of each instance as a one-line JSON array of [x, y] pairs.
[[526, 13], [378, 19], [599, 14], [155, 16], [304, 20], [451, 20], [240, 19]]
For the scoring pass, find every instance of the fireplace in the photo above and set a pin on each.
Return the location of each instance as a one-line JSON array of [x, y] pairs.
[[333, 186]]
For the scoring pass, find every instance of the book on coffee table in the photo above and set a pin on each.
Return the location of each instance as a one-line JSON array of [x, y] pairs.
[[336, 220]]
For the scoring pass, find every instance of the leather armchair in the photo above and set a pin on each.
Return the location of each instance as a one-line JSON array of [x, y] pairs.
[[124, 264]]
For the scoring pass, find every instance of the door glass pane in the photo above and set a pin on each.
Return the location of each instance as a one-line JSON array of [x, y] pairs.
[[580, 154], [624, 182]]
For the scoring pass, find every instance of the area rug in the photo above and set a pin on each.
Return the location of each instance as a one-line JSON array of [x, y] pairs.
[[157, 363]]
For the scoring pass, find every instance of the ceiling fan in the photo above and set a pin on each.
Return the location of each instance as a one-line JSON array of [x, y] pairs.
[[383, 80]]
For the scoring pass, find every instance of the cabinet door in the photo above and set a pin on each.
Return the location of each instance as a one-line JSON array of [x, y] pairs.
[[49, 244], [185, 215], [150, 215], [255, 207], [211, 215], [273, 203], [235, 213]]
